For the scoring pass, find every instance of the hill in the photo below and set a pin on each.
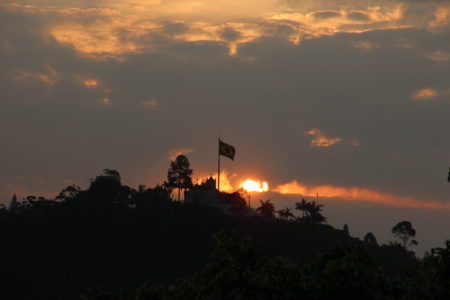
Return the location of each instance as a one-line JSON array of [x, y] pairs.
[[60, 251]]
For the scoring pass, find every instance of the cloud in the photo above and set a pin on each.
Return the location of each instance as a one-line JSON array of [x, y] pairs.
[[327, 14], [151, 103], [356, 194], [91, 83], [120, 28], [320, 140], [355, 142], [425, 94], [49, 76], [182, 151], [365, 45], [440, 56], [360, 16], [442, 17], [105, 101]]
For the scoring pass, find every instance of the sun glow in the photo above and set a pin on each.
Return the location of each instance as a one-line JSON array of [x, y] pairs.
[[255, 186]]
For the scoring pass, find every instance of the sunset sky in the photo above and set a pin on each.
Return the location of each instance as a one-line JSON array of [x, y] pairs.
[[346, 99]]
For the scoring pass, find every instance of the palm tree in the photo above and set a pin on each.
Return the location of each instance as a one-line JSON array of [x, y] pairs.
[[285, 213], [303, 206], [267, 209], [314, 213], [310, 211]]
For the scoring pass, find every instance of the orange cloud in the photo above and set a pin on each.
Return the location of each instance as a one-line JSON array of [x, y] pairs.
[[439, 56], [105, 101], [355, 142], [49, 77], [150, 103], [123, 27], [356, 194], [91, 83], [174, 153], [441, 17], [425, 94], [320, 140], [365, 45]]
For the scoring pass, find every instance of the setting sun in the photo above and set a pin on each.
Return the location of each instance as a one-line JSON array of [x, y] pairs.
[[255, 186]]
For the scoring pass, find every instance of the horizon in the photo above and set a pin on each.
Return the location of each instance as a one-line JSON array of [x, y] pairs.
[[338, 211]]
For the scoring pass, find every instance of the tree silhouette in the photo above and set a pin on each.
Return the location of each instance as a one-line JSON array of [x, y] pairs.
[[235, 201], [69, 193], [105, 188], [179, 174], [345, 229], [302, 206], [285, 213], [145, 197], [404, 231], [314, 213], [13, 204], [267, 209], [370, 238], [311, 211]]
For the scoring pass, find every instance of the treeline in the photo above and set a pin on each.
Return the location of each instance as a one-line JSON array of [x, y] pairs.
[[93, 241]]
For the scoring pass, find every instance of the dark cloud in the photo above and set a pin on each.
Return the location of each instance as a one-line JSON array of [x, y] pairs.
[[230, 35], [175, 28], [358, 16], [326, 14]]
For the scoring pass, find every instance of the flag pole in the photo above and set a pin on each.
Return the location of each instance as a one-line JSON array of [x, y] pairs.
[[218, 168]]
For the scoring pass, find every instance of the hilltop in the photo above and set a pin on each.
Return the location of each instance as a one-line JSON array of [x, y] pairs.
[[112, 241], [113, 236]]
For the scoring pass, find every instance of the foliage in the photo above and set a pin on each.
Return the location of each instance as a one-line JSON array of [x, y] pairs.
[[105, 188], [179, 174], [238, 270], [302, 206], [285, 214], [370, 238], [404, 231], [311, 211], [348, 272], [235, 201], [428, 280], [267, 209]]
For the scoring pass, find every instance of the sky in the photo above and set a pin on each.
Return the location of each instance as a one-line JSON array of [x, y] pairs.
[[346, 99]]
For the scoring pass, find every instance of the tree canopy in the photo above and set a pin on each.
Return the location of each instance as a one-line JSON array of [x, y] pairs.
[[180, 174], [404, 231]]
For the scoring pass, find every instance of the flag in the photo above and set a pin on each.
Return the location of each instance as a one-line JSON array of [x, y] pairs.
[[226, 150]]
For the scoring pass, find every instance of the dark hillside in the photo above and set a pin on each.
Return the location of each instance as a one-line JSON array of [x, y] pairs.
[[63, 250]]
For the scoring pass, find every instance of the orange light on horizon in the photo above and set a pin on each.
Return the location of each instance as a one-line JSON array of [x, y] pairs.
[[357, 194], [255, 186]]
